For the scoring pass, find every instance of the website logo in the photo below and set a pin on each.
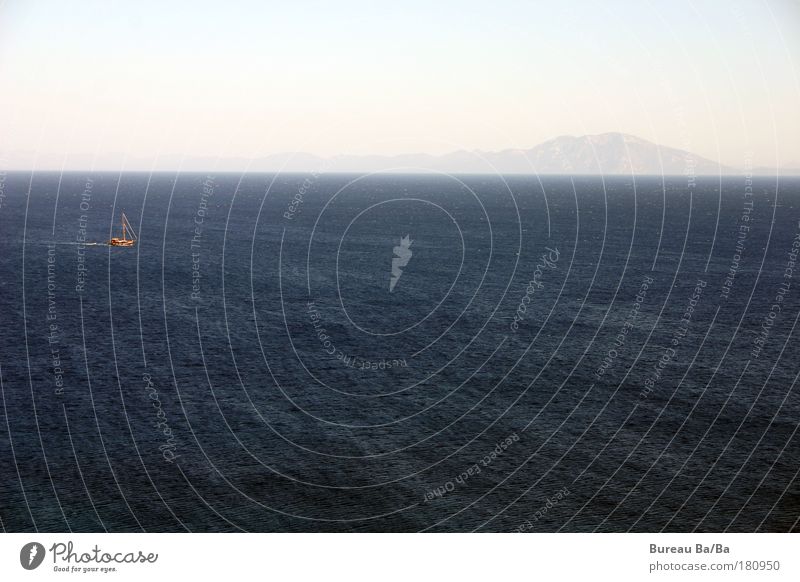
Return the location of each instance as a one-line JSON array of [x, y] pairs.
[[31, 555], [402, 254]]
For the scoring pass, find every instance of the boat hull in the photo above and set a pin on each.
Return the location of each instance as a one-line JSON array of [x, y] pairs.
[[121, 242]]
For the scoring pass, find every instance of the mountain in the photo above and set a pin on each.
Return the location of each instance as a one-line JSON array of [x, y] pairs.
[[608, 153]]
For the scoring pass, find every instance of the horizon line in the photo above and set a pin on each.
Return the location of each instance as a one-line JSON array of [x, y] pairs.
[[793, 173]]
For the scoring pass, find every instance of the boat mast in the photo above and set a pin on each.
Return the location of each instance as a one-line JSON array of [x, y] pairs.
[[129, 228]]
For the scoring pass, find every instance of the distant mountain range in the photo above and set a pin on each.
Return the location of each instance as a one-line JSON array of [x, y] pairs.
[[606, 154]]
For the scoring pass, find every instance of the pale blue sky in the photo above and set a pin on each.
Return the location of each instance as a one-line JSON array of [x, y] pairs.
[[240, 78]]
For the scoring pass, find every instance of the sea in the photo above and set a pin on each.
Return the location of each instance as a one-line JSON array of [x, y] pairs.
[[399, 353]]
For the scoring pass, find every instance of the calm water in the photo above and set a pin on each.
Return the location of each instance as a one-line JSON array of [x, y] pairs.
[[561, 354]]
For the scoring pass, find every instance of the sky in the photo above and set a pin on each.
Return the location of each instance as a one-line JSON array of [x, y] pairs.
[[108, 83]]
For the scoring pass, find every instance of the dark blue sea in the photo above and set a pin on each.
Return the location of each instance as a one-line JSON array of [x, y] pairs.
[[399, 353]]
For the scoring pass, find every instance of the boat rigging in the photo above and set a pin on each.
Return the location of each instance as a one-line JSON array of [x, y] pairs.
[[124, 241]]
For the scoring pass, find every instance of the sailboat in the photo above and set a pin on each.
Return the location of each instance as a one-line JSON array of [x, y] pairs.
[[126, 230]]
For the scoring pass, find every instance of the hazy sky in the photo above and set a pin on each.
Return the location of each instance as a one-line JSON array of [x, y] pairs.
[[239, 78]]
